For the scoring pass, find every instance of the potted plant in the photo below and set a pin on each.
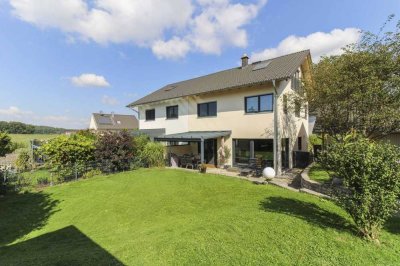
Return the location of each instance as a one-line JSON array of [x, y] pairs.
[[202, 168]]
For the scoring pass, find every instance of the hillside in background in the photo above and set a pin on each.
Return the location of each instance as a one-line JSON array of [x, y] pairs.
[[22, 128]]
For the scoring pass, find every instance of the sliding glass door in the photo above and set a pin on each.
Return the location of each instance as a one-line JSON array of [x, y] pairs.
[[245, 149]]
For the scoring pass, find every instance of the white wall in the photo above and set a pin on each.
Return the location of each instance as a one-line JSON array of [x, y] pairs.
[[171, 125], [92, 124]]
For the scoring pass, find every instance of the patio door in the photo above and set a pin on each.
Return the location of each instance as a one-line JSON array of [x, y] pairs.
[[210, 151]]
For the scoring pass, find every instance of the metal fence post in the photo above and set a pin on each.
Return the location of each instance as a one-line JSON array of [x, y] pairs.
[[76, 172]]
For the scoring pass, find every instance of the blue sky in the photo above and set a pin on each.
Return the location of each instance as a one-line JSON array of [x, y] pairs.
[[61, 60]]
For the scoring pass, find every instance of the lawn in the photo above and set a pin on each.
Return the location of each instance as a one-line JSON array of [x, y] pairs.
[[35, 175], [25, 139], [318, 173], [159, 217]]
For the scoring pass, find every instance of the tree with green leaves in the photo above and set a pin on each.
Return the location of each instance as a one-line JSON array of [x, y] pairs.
[[371, 177], [6, 145], [360, 89]]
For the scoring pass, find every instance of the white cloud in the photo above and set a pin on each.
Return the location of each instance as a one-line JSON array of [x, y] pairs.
[[108, 100], [14, 113], [172, 49], [170, 28], [90, 80], [320, 44]]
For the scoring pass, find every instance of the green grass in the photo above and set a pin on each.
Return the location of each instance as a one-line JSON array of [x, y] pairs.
[[33, 176], [24, 139], [318, 173], [159, 217]]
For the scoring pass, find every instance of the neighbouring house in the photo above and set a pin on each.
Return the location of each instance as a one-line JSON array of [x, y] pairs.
[[247, 108], [113, 122]]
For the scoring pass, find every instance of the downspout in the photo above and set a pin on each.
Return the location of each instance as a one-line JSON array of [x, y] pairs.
[[276, 134]]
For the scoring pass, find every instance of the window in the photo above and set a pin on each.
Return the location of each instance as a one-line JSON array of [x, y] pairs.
[[207, 109], [172, 112], [245, 149], [296, 83], [299, 144], [150, 115], [242, 150], [263, 148], [260, 103]]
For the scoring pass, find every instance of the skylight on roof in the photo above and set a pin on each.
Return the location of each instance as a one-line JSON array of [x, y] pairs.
[[261, 65]]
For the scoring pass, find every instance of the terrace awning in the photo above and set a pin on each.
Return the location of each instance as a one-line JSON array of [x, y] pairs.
[[193, 136]]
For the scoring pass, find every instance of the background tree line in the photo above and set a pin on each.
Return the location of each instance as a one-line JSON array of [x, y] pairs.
[[22, 128]]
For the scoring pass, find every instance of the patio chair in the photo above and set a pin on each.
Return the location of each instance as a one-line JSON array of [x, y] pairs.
[[187, 162]]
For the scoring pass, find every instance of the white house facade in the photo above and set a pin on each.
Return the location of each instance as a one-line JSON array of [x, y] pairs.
[[247, 110]]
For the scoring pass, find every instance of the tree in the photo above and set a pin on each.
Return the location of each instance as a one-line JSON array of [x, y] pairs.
[[114, 150], [360, 89], [6, 145], [371, 177]]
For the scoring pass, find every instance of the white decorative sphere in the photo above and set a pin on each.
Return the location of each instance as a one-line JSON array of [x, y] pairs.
[[269, 172]]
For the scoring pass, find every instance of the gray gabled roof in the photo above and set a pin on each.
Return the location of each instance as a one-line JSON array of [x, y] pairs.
[[255, 73], [115, 121]]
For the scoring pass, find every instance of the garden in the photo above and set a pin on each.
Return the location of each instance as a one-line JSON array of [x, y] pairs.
[[158, 216]]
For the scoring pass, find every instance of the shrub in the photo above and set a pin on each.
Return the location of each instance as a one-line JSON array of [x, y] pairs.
[[92, 173], [43, 181], [371, 176], [23, 162], [6, 145], [153, 154], [139, 142], [66, 154], [114, 151]]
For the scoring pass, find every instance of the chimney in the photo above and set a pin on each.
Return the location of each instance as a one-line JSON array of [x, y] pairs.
[[245, 60]]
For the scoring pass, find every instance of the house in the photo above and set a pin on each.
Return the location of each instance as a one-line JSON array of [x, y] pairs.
[[113, 122], [238, 108]]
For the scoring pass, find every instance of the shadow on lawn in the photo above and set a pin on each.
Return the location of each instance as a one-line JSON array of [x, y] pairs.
[[67, 246], [393, 225], [308, 211], [21, 214]]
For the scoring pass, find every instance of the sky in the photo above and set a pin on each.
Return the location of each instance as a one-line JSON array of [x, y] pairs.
[[61, 60]]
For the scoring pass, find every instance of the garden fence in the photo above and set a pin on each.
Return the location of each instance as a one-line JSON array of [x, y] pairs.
[[13, 180]]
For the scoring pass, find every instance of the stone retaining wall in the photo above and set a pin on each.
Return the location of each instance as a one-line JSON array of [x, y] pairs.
[[306, 182]]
